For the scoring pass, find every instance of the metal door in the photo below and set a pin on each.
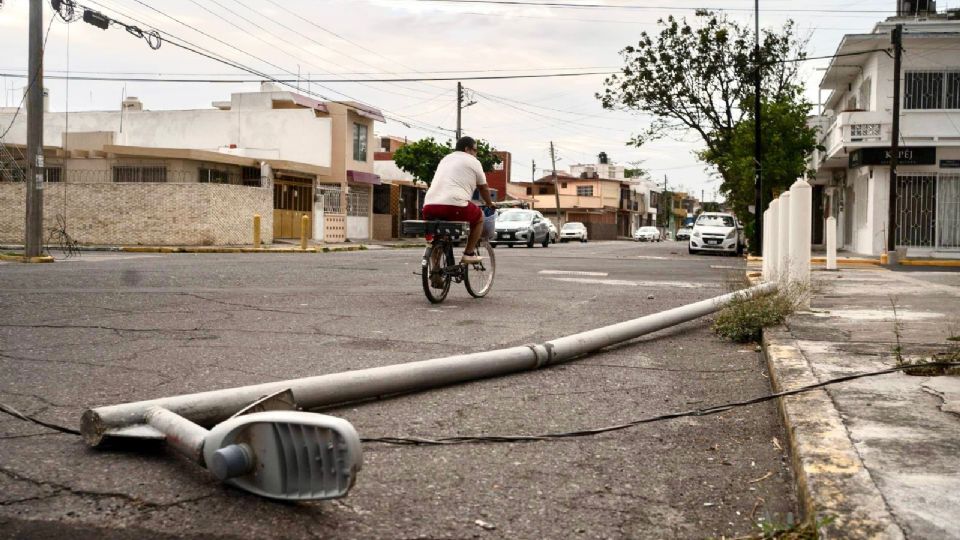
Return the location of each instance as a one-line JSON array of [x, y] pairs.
[[916, 210]]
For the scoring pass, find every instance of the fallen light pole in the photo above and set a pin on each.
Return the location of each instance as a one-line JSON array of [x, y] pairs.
[[285, 454]]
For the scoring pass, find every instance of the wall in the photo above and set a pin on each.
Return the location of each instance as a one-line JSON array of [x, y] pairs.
[[289, 134], [144, 214], [599, 226]]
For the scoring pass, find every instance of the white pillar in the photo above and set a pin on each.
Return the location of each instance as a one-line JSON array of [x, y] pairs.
[[772, 250], [801, 211], [783, 239], [765, 245], [831, 231]]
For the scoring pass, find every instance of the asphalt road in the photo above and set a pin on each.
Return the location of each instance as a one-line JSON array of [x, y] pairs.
[[107, 328]]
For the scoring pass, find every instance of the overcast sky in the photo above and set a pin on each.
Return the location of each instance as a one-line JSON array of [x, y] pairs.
[[349, 39]]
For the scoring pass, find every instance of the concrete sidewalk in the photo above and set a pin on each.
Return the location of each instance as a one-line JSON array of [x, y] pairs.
[[281, 246], [878, 456]]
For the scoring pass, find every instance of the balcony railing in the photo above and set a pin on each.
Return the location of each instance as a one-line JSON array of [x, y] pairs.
[[856, 128]]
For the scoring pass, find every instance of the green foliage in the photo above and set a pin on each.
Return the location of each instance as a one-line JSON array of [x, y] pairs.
[[792, 529], [787, 140], [744, 319], [422, 157], [699, 78]]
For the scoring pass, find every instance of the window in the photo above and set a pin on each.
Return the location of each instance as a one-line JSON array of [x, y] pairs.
[[544, 190], [529, 191], [865, 92], [250, 176], [127, 173], [358, 202], [563, 185], [359, 142], [381, 199], [53, 174], [212, 176], [931, 90], [584, 191]]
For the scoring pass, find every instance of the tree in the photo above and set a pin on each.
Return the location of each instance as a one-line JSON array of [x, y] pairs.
[[422, 157], [699, 78], [787, 141]]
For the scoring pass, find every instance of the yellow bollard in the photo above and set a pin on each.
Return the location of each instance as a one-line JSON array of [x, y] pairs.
[[304, 231], [256, 231]]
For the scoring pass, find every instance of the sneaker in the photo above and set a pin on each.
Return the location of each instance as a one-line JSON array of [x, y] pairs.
[[471, 259]]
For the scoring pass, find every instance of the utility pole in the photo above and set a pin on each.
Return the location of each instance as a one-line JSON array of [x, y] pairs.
[[897, 39], [533, 170], [33, 229], [556, 185], [668, 217], [459, 107], [757, 148]]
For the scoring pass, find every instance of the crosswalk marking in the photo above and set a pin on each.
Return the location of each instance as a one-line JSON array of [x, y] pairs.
[[572, 273], [626, 283]]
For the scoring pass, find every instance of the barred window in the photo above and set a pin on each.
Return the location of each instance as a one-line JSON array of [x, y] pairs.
[[330, 196], [124, 173], [250, 176], [585, 191], [358, 202], [931, 90], [53, 174]]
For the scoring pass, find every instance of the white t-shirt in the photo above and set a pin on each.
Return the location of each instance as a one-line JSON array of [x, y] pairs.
[[457, 176]]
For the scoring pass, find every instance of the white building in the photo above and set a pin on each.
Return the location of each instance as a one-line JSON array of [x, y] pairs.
[[269, 148], [853, 173]]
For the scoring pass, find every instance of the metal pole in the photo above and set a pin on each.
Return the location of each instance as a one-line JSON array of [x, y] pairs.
[[556, 185], [459, 106], [209, 408], [894, 148], [757, 149], [33, 229]]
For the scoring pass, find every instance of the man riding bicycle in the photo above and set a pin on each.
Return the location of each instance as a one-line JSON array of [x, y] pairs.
[[448, 197]]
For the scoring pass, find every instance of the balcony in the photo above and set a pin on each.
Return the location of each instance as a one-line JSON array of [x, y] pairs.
[[849, 131]]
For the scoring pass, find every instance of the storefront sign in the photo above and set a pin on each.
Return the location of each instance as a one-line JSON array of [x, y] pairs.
[[950, 163], [908, 155]]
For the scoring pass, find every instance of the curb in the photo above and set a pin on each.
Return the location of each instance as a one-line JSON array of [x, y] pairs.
[[944, 264], [164, 249], [25, 259], [831, 478]]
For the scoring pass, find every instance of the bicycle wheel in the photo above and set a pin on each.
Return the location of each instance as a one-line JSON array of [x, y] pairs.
[[436, 283], [479, 276]]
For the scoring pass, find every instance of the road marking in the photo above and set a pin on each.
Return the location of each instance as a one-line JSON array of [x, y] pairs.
[[654, 258], [625, 283], [724, 267], [573, 273]]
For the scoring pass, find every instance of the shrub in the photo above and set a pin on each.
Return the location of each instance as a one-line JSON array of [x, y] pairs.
[[744, 319]]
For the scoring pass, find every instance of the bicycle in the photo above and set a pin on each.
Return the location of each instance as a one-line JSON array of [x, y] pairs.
[[439, 266]]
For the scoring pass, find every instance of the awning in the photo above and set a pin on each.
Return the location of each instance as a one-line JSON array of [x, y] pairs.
[[304, 101], [361, 177]]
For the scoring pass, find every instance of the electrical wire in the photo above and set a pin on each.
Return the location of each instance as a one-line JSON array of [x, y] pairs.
[[447, 441], [644, 8], [327, 81]]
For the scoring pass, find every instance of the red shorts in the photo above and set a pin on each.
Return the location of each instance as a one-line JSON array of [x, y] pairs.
[[469, 213]]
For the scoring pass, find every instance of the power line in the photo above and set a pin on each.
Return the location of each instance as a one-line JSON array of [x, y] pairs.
[[568, 5], [310, 80]]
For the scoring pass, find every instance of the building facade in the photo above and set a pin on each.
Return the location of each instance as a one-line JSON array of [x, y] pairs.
[[314, 159], [853, 176]]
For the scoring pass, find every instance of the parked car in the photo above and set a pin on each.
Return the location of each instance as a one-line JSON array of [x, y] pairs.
[[526, 227], [647, 234], [683, 233], [573, 230], [716, 231], [554, 233]]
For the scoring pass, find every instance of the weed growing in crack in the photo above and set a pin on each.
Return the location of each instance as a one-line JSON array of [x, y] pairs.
[[952, 354], [744, 319]]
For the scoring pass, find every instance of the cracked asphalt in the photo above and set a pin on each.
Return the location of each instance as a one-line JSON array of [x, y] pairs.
[[107, 328]]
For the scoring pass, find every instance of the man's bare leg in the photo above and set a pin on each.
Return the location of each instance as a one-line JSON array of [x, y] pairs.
[[476, 229]]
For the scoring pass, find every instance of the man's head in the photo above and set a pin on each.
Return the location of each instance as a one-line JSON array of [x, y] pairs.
[[468, 145]]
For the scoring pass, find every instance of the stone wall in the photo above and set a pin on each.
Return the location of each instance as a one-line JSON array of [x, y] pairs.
[[168, 214]]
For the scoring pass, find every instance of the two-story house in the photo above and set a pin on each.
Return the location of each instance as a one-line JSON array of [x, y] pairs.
[[199, 176], [853, 174], [592, 201]]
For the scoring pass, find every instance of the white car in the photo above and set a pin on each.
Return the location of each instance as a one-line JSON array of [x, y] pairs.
[[573, 230], [554, 233], [716, 231], [647, 234]]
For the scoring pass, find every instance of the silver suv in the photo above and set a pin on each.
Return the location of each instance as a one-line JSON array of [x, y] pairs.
[[716, 231]]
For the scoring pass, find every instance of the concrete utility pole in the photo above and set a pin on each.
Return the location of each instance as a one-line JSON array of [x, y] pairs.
[[669, 217], [533, 170], [556, 185], [897, 39], [757, 148], [459, 107], [33, 230]]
